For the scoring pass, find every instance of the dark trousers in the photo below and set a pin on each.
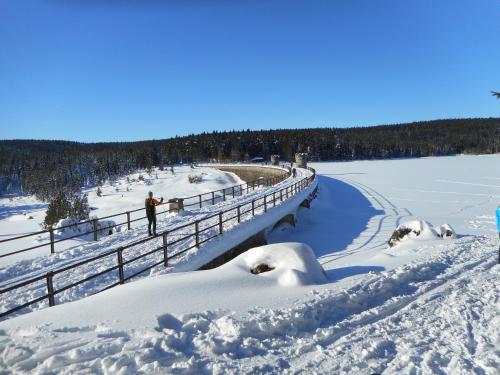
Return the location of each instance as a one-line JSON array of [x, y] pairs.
[[152, 220]]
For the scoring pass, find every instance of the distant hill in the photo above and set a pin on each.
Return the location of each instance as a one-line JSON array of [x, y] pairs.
[[44, 167]]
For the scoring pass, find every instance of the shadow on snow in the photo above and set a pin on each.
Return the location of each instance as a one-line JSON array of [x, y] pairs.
[[338, 216]]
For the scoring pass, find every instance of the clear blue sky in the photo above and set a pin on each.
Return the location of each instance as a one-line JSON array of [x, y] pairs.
[[111, 70]]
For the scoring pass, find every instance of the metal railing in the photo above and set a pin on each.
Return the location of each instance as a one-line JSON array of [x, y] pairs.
[[199, 231], [196, 201]]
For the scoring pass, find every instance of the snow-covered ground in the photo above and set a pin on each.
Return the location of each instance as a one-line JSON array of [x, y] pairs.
[[25, 214], [178, 226], [427, 305]]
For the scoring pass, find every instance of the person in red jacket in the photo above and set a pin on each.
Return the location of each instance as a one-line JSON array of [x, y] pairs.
[[151, 204]]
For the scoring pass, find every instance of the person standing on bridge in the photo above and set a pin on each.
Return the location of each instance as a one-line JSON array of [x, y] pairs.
[[151, 204]]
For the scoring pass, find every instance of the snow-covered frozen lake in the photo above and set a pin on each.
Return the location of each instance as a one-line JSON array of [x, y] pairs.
[[362, 202], [423, 307]]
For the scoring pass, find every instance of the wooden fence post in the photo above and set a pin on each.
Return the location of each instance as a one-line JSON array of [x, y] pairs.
[[121, 274], [51, 235], [197, 233], [94, 223], [50, 288], [165, 253]]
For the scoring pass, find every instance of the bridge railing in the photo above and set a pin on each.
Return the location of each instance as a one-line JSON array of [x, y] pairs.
[[195, 201], [172, 243]]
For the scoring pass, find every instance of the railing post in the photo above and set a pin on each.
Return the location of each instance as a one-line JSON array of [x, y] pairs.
[[281, 195], [233, 191], [213, 198], [274, 199], [94, 223], [220, 223], [199, 196], [197, 233], [253, 207], [223, 195], [128, 220], [265, 203], [165, 252], [50, 288], [51, 235], [241, 190], [121, 274], [239, 213]]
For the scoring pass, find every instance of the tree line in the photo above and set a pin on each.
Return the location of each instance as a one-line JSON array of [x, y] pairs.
[[46, 168]]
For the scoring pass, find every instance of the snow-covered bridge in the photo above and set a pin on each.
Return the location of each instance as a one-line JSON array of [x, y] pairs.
[[186, 242]]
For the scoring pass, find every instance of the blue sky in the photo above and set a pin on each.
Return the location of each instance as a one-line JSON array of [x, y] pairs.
[[116, 70]]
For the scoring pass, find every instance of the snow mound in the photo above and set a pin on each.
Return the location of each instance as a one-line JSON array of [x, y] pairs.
[[421, 230], [290, 264], [69, 227]]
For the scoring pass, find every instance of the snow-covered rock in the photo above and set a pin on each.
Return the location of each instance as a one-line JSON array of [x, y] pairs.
[[290, 264], [421, 230], [447, 231]]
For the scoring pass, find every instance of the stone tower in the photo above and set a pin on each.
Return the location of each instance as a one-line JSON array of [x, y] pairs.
[[301, 160]]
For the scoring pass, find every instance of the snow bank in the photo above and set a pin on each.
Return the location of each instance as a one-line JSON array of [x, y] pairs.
[[290, 264], [421, 230], [367, 328]]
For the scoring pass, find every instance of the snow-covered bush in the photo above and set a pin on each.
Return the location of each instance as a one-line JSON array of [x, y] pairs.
[[420, 229], [194, 178]]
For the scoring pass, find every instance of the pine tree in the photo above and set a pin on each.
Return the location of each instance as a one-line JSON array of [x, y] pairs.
[[59, 208], [79, 207]]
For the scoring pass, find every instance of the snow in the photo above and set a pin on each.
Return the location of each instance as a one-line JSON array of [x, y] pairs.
[[233, 234], [420, 230], [425, 306], [70, 227], [124, 194]]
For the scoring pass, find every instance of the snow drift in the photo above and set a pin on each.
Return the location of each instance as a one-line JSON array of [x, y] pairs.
[[421, 230], [290, 264]]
